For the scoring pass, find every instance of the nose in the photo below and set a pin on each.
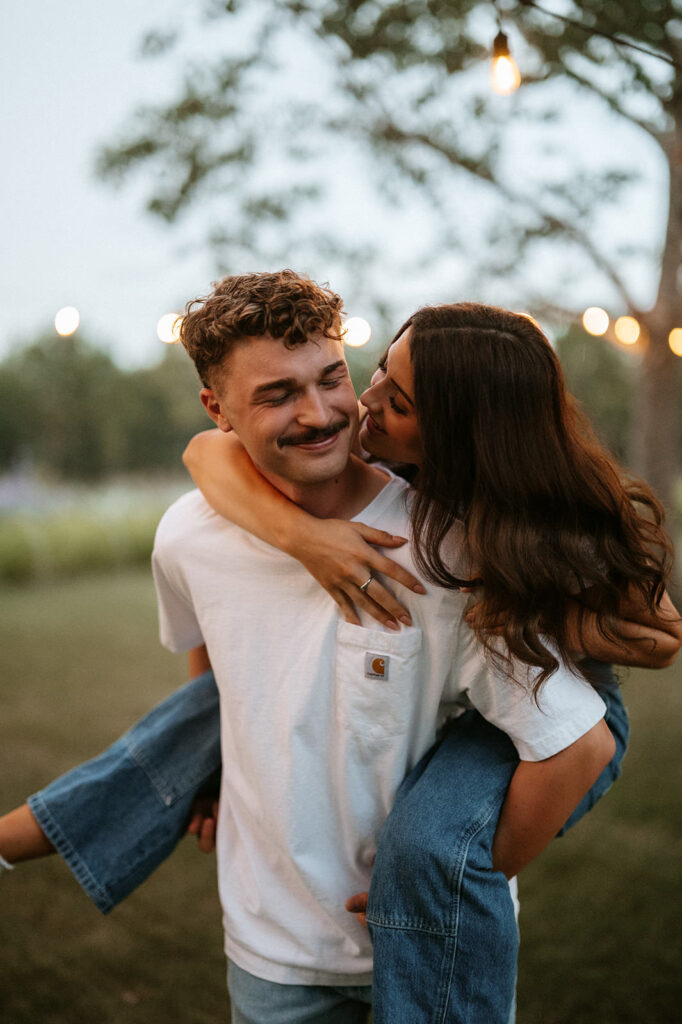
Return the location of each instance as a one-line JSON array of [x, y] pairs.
[[370, 396], [313, 409]]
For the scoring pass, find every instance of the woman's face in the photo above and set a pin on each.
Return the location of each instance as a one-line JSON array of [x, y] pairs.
[[390, 430]]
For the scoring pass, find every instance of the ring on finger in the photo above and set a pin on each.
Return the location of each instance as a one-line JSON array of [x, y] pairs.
[[367, 582]]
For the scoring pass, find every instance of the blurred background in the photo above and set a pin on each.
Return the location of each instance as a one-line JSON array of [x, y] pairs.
[[521, 154]]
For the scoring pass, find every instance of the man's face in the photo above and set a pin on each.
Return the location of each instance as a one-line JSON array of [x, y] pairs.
[[294, 410]]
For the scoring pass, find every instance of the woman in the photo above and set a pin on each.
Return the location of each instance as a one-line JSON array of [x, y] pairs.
[[462, 486]]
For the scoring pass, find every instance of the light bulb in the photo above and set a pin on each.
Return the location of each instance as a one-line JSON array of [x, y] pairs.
[[596, 320], [504, 71], [627, 330], [356, 332], [66, 321], [168, 328]]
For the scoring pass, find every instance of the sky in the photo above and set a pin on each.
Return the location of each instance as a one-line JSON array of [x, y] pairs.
[[73, 80]]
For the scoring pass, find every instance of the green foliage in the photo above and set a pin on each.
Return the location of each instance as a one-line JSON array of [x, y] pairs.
[[51, 546], [67, 408], [602, 378]]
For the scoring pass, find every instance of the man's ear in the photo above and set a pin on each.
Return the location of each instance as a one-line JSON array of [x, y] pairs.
[[212, 406]]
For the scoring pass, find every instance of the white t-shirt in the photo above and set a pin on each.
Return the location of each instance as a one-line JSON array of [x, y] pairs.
[[320, 722]]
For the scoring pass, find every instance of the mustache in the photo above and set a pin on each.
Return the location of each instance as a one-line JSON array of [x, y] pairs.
[[313, 436]]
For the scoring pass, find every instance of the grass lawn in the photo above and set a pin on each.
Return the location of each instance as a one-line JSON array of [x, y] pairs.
[[601, 938]]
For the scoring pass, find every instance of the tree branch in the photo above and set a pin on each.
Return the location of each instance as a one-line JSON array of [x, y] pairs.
[[647, 126], [391, 133]]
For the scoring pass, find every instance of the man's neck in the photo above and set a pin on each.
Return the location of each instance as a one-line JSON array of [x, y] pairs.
[[343, 497]]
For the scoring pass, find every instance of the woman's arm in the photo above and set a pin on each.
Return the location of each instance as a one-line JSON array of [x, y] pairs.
[[645, 640], [543, 794], [648, 640], [340, 555]]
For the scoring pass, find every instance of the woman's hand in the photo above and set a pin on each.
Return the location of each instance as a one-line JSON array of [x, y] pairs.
[[644, 639], [203, 822], [342, 557], [358, 905]]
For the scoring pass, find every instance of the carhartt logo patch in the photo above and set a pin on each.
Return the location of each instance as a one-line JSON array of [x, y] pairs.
[[376, 666]]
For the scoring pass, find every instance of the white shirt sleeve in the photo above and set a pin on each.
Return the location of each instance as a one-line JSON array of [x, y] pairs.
[[179, 628], [566, 708]]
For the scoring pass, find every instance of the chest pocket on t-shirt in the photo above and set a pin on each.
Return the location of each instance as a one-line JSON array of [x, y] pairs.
[[377, 680]]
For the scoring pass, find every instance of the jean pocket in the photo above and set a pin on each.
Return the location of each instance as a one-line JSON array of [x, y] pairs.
[[376, 677]]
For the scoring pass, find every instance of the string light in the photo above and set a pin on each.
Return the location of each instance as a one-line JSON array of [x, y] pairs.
[[627, 330], [168, 328], [356, 332], [596, 321], [67, 321], [504, 72], [675, 340]]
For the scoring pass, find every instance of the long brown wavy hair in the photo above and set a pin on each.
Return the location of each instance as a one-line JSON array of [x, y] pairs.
[[548, 515]]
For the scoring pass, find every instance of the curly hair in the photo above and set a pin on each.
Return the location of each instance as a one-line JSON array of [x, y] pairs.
[[285, 305], [549, 517]]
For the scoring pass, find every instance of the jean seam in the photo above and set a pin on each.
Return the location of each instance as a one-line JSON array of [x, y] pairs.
[[410, 924], [450, 932], [166, 792], [456, 901]]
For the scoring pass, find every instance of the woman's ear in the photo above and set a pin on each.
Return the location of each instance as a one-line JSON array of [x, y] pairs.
[[212, 405]]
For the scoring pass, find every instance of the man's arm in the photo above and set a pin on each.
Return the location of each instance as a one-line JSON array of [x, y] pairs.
[[542, 796], [198, 661]]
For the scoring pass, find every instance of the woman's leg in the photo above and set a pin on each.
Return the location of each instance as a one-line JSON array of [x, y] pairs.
[[442, 921], [115, 818], [21, 837]]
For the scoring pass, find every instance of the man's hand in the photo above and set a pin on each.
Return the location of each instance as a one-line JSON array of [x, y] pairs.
[[358, 905], [203, 823]]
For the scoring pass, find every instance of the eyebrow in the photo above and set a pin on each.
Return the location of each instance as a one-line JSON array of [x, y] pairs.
[[289, 382]]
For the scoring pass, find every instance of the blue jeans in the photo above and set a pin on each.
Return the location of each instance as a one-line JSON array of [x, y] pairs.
[[442, 922], [256, 1001]]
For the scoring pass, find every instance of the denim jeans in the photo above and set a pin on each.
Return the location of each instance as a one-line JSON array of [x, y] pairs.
[[117, 817], [442, 922], [256, 1001]]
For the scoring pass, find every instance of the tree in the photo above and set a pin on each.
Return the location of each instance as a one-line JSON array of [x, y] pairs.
[[409, 83], [68, 407], [587, 363]]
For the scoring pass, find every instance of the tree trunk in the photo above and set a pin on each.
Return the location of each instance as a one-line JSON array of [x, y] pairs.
[[656, 420]]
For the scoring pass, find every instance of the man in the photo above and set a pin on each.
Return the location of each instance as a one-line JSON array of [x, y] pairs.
[[320, 719]]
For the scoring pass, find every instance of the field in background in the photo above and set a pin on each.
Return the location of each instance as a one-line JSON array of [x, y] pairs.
[[601, 941], [50, 530]]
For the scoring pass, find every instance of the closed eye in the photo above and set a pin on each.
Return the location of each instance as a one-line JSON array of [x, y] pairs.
[[277, 399]]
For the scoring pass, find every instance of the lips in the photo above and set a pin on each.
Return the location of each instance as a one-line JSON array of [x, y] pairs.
[[318, 446], [319, 441], [372, 426]]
